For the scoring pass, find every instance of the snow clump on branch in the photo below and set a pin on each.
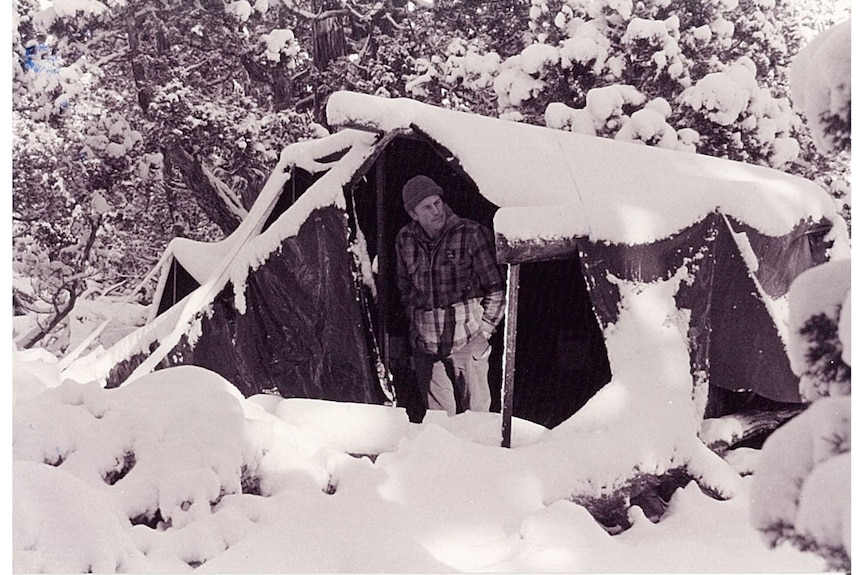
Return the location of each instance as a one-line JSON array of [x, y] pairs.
[[281, 42]]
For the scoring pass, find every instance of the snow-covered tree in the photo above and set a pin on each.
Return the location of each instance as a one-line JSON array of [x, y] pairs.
[[802, 486], [148, 115], [801, 489], [696, 76]]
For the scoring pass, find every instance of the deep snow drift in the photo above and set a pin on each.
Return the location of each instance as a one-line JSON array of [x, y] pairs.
[[265, 484]]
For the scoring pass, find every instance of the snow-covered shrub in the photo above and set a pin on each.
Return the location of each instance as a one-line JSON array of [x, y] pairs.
[[801, 489], [817, 351], [141, 467], [801, 484], [820, 84]]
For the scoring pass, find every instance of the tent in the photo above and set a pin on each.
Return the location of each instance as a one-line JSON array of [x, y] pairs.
[[299, 301]]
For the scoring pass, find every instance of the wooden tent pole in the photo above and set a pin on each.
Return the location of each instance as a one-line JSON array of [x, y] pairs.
[[382, 260], [513, 278]]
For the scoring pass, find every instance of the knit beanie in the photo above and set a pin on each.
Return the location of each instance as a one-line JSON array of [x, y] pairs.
[[417, 189]]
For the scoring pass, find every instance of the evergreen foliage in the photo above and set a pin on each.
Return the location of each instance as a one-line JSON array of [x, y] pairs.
[[169, 116], [825, 369]]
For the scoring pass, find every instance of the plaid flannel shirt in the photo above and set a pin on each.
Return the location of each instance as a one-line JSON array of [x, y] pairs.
[[450, 286]]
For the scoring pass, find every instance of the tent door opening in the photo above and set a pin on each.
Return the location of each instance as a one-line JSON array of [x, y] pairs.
[[380, 215], [561, 358]]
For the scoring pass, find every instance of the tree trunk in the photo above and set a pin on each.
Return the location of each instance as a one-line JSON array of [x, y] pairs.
[[749, 425], [177, 228], [328, 37], [279, 82], [138, 73], [217, 208]]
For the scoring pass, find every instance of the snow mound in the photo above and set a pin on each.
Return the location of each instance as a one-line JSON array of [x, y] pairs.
[[176, 472], [45, 541], [807, 494]]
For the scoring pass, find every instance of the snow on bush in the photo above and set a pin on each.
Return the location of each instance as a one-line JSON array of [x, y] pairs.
[[281, 42], [159, 453], [604, 111], [820, 86], [801, 488], [45, 541], [723, 96], [107, 437], [817, 353]]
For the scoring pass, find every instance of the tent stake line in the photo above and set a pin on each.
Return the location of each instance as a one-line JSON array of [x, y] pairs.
[[508, 392]]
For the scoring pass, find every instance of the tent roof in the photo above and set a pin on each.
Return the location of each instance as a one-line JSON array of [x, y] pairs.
[[552, 183], [548, 183]]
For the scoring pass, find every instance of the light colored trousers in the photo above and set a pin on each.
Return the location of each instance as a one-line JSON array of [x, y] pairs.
[[457, 382]]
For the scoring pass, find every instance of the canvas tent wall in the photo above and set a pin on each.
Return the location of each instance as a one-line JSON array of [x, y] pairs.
[[578, 212]]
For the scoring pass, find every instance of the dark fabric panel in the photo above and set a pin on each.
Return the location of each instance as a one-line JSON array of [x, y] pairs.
[[302, 333], [695, 294], [214, 349], [605, 296], [746, 352], [298, 184], [785, 257], [692, 247], [734, 341], [179, 284], [644, 263]]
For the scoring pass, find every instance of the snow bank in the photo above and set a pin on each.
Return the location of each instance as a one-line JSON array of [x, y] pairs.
[[176, 472], [33, 371], [50, 511]]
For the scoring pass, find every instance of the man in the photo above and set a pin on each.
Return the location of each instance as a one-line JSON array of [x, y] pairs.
[[452, 293]]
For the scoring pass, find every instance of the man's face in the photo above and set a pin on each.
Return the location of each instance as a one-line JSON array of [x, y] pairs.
[[431, 214]]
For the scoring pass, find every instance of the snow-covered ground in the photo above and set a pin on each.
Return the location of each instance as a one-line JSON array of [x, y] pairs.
[[265, 484]]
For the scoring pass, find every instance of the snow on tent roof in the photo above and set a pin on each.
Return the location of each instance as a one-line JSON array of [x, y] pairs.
[[199, 258], [590, 186]]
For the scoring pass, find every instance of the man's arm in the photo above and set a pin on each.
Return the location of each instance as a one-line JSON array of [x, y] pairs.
[[491, 280], [492, 303]]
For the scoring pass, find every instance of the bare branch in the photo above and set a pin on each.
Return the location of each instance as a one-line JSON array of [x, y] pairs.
[[394, 23], [332, 13], [302, 13]]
